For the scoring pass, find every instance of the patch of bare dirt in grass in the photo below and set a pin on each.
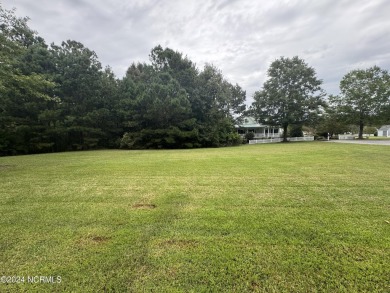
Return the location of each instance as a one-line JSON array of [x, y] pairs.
[[178, 243], [99, 239], [4, 167], [93, 240], [162, 247]]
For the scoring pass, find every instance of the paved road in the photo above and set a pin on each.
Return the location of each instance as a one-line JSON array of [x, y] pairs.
[[357, 141]]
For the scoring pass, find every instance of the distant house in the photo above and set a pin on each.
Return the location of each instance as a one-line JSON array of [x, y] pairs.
[[250, 124], [384, 131]]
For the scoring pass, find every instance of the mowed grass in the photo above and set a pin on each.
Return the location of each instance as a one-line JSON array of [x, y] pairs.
[[379, 138], [296, 217]]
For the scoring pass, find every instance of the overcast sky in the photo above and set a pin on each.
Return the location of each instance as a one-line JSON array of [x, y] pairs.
[[240, 37]]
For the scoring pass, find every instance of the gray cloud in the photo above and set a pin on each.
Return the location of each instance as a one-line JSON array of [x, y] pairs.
[[241, 37]]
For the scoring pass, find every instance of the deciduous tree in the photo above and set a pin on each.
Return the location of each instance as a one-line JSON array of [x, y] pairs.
[[365, 95], [291, 95]]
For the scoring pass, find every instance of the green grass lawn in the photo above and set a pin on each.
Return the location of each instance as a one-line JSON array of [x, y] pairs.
[[379, 138], [295, 217]]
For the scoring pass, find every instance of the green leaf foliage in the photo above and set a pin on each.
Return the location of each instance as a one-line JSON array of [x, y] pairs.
[[365, 96], [24, 91], [170, 104], [291, 95]]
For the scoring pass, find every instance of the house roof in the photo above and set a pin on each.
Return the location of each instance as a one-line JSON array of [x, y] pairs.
[[385, 127], [250, 122]]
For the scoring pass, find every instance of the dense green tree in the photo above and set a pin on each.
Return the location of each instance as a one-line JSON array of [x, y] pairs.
[[219, 103], [226, 97], [161, 115], [112, 125], [182, 70], [364, 96], [296, 131], [132, 86], [79, 76], [179, 67], [210, 104], [291, 95], [384, 117], [24, 90], [331, 122]]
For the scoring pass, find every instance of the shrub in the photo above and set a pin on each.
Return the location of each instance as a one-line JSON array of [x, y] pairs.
[[234, 139], [296, 131], [249, 136]]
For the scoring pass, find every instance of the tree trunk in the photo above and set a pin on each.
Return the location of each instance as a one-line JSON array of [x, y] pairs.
[[285, 132], [361, 126]]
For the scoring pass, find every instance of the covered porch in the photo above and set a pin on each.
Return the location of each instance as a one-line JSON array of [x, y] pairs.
[[259, 130]]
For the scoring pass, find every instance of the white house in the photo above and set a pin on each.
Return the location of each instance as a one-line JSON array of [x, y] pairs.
[[260, 130], [384, 131]]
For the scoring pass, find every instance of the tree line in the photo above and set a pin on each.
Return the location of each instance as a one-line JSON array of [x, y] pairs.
[[58, 98]]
